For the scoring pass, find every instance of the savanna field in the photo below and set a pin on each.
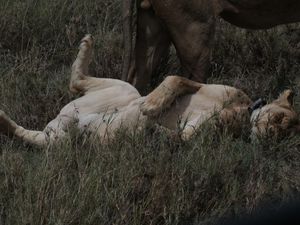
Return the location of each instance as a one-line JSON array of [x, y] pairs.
[[140, 178]]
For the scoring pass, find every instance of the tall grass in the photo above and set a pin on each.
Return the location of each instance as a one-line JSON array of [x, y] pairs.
[[143, 178]]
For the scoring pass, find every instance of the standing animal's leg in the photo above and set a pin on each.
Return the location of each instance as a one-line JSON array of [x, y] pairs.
[[194, 49], [54, 132], [152, 44], [191, 25], [164, 95], [81, 81]]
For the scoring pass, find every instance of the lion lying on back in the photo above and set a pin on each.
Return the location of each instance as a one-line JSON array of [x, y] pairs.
[[108, 104]]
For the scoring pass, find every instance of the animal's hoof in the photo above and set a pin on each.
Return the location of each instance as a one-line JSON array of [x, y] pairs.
[[88, 39]]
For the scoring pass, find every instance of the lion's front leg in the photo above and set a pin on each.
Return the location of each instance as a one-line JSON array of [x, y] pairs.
[[164, 95]]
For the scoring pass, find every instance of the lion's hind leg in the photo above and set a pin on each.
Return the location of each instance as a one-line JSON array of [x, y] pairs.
[[80, 66], [81, 81]]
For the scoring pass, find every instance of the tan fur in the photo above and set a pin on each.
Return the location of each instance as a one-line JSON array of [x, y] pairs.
[[164, 95], [276, 118], [177, 104]]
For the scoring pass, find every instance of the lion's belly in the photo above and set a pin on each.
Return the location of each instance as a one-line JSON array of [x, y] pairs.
[[101, 123], [189, 109], [103, 101]]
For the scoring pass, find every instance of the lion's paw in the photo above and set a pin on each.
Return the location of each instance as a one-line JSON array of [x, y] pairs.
[[3, 116], [6, 126], [149, 108], [87, 41], [153, 105]]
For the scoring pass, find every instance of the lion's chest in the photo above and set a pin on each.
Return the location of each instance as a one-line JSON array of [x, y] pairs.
[[199, 107]]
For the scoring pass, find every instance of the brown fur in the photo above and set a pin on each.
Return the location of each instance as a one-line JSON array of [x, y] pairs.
[[190, 26]]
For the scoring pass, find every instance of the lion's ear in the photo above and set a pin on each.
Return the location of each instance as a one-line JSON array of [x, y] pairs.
[[288, 96]]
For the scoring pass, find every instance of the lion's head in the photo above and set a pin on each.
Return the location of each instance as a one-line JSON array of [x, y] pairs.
[[276, 119]]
